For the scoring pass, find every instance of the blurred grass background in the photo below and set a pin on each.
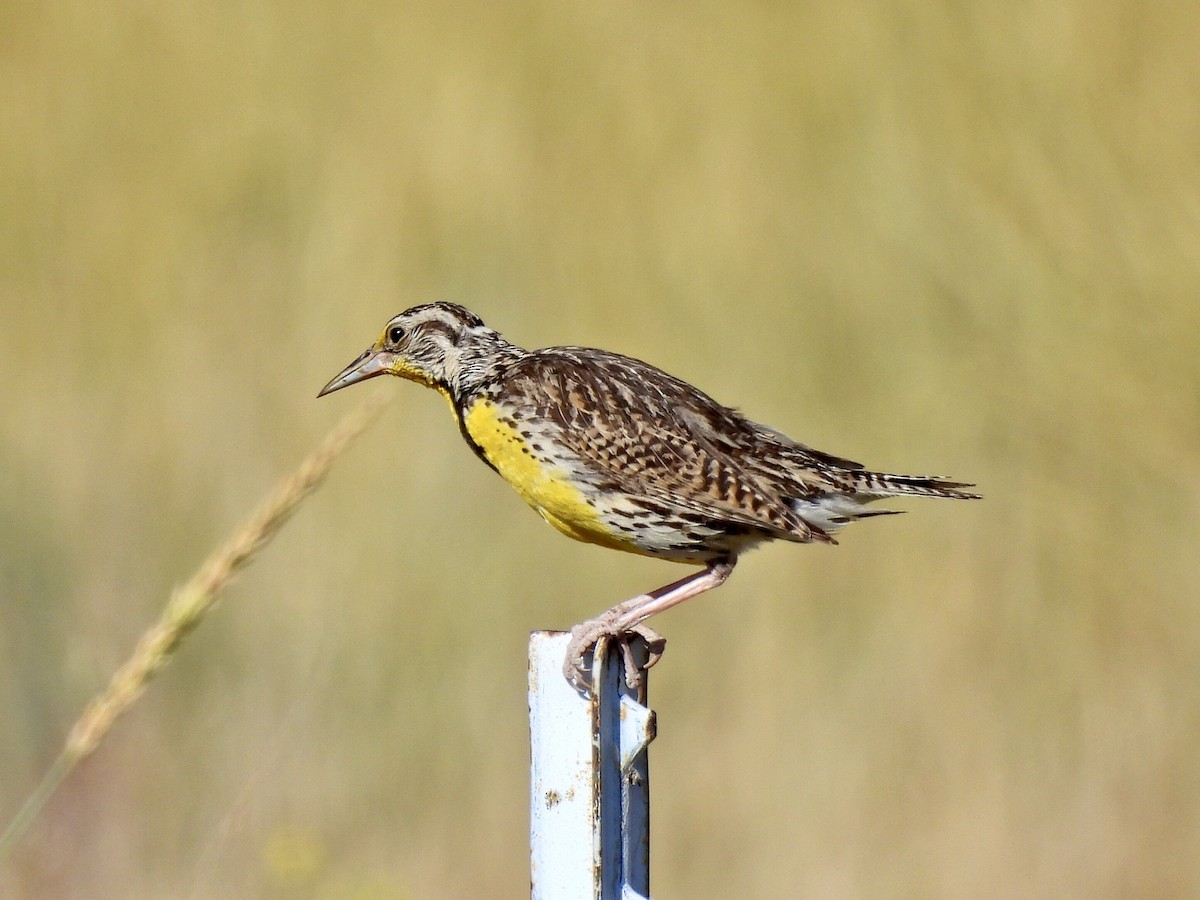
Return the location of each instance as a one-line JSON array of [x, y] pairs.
[[947, 237]]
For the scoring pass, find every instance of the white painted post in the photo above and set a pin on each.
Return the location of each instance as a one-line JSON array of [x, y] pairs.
[[589, 806]]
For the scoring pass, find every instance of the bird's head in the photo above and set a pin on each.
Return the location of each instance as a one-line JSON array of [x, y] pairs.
[[435, 345]]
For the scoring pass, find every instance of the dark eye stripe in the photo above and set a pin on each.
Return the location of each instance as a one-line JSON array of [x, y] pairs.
[[436, 327]]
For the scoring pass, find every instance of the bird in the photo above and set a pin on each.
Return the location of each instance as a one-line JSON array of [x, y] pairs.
[[614, 451]]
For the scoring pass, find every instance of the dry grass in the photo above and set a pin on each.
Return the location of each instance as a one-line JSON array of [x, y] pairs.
[[954, 237], [188, 606]]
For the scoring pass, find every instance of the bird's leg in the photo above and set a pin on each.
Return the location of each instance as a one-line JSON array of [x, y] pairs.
[[655, 644], [628, 616]]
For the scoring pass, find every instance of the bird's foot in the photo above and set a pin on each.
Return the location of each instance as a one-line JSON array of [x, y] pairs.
[[584, 636]]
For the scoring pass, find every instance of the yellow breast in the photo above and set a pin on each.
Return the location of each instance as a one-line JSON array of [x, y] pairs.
[[546, 487]]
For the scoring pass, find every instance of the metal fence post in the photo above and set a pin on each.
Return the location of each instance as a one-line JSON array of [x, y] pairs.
[[589, 806]]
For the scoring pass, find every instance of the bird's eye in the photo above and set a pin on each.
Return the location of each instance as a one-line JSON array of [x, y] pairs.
[[395, 334]]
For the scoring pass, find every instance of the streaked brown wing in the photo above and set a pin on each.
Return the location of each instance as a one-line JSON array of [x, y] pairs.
[[649, 434]]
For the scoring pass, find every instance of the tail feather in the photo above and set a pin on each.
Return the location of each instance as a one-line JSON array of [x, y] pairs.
[[826, 513], [883, 485]]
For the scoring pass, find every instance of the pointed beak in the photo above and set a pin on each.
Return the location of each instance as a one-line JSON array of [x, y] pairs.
[[372, 362]]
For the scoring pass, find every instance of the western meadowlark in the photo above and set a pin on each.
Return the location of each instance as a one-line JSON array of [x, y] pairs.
[[613, 451]]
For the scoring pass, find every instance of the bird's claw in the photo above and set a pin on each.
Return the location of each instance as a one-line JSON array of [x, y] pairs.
[[577, 668]]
